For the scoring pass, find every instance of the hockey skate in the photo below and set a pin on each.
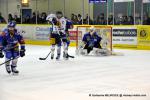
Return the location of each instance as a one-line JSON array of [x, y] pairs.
[[52, 56], [58, 57], [14, 70], [65, 56], [83, 52], [8, 69]]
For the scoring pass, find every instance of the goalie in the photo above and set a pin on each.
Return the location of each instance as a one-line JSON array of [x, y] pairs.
[[91, 44]]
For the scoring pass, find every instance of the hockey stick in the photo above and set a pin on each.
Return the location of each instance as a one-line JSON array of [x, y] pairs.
[[45, 57], [9, 60], [50, 51], [70, 56]]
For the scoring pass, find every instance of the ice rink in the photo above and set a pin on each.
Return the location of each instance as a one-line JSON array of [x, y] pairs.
[[77, 78]]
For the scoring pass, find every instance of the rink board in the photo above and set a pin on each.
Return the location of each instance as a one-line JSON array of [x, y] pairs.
[[124, 36]]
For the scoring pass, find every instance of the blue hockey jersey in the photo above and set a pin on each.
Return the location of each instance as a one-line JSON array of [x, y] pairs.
[[91, 40], [8, 41]]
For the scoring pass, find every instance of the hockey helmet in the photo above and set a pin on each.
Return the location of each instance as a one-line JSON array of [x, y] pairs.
[[92, 29], [50, 17], [59, 14], [12, 24]]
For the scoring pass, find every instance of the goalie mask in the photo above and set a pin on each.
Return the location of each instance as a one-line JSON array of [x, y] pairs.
[[52, 19], [92, 30]]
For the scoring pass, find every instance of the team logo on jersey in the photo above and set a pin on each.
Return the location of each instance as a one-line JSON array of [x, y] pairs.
[[143, 34]]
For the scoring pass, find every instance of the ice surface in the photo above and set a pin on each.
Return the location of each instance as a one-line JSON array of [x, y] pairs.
[[76, 78]]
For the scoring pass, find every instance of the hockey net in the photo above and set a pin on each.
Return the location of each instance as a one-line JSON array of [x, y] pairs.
[[103, 31]]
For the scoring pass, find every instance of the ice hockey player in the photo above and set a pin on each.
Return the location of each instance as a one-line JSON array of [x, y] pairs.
[[69, 25], [55, 38], [10, 41], [90, 41], [63, 32]]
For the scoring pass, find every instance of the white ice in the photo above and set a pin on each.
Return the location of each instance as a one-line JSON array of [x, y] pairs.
[[76, 78]]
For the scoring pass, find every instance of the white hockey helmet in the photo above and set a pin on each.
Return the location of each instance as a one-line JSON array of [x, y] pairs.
[[50, 17], [92, 28]]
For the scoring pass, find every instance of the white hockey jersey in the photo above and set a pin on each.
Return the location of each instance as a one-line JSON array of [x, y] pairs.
[[54, 29], [63, 23]]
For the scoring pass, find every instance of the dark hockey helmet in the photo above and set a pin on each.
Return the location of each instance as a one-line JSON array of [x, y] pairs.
[[59, 14]]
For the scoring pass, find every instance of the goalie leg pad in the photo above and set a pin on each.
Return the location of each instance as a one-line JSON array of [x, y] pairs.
[[101, 52], [83, 52]]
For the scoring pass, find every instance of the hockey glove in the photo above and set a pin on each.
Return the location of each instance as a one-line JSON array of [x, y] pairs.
[[1, 54], [22, 52]]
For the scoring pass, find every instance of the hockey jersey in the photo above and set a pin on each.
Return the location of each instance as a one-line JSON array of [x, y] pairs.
[[63, 23], [8, 41], [54, 29], [91, 39]]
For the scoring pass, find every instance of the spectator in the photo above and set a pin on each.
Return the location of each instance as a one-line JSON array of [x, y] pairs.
[[146, 20], [110, 20], [138, 21], [43, 17], [10, 18], [75, 19], [130, 20], [17, 19], [27, 19], [79, 19], [33, 19], [101, 20], [72, 17], [119, 20], [125, 20], [87, 19], [2, 20], [39, 18], [122, 20]]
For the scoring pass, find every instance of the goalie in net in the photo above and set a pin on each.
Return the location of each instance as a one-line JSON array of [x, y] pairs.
[[94, 42]]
